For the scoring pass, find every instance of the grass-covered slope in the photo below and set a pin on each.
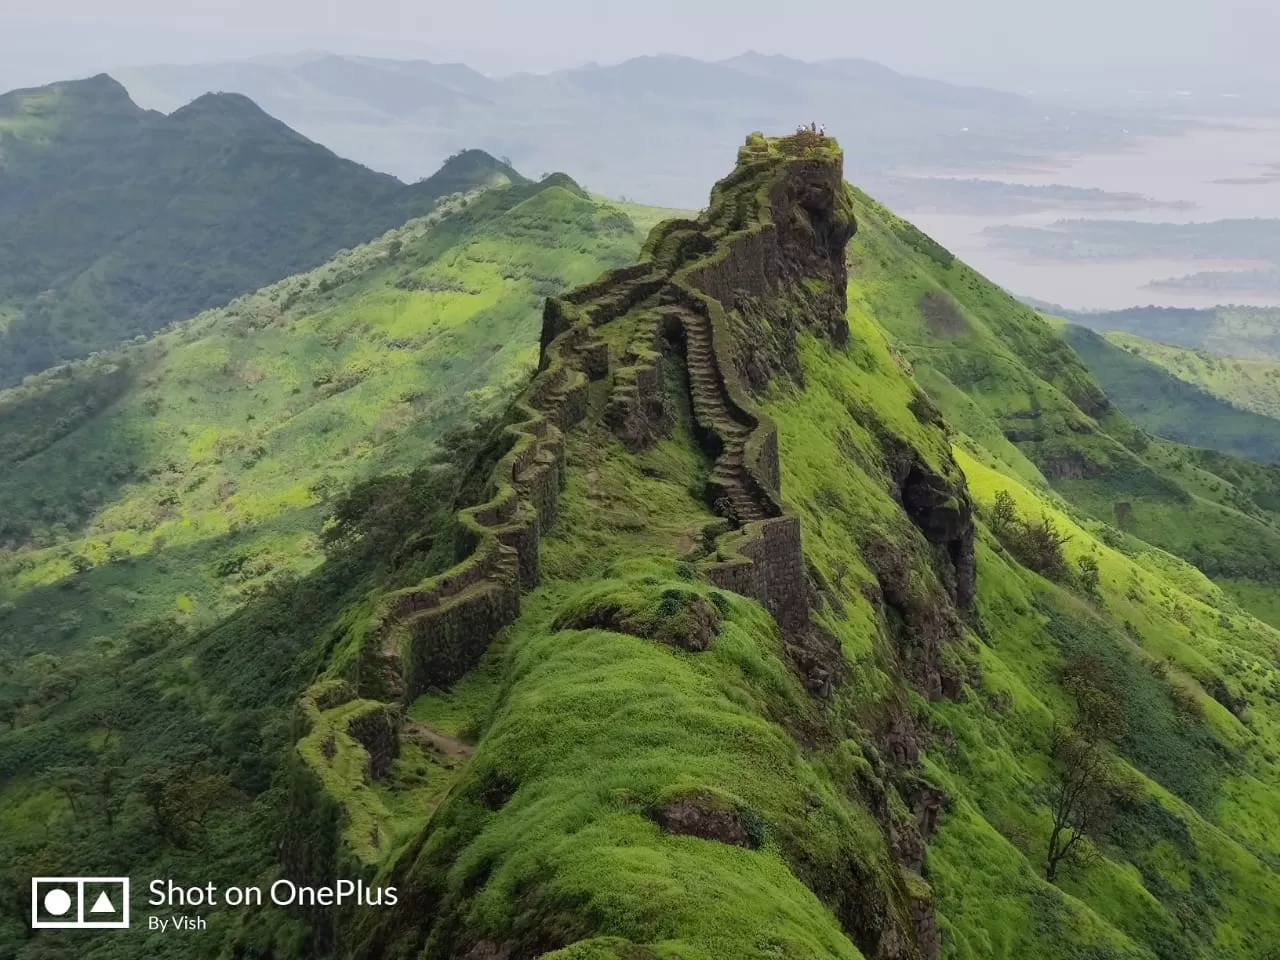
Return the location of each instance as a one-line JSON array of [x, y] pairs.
[[663, 769], [1036, 425], [793, 590], [1190, 397], [115, 220], [179, 476], [1006, 378]]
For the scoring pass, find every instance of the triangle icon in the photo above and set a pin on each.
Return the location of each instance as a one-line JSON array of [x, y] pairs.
[[102, 904]]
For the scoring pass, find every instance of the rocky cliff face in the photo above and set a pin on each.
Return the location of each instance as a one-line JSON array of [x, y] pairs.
[[675, 357]]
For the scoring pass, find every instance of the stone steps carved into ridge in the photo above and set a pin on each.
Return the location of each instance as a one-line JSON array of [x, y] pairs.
[[431, 634], [711, 404]]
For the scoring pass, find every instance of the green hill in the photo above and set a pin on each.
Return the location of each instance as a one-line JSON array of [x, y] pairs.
[[1176, 399], [1249, 384], [115, 221], [180, 476], [811, 600]]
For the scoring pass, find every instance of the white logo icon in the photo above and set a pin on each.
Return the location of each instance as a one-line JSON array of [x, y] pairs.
[[62, 902]]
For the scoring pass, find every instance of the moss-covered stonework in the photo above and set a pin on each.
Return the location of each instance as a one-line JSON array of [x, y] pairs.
[[653, 379], [769, 250]]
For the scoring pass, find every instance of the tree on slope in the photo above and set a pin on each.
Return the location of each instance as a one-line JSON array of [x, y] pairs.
[[1085, 785]]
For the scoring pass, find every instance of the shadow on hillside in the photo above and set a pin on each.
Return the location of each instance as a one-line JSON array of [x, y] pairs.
[[195, 583]]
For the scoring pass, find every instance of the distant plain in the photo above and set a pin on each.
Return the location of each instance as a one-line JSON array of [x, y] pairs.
[[1223, 169]]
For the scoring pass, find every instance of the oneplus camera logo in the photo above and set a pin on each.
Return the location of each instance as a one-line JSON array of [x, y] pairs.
[[80, 903]]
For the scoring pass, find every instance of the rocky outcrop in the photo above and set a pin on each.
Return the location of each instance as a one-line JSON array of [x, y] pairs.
[[377, 730], [942, 510], [687, 818], [906, 831]]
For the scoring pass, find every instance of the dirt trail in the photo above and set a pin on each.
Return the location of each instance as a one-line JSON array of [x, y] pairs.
[[431, 739]]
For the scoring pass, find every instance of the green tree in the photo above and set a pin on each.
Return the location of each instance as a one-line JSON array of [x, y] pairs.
[[1004, 514], [1036, 544], [1082, 797], [1040, 548], [1090, 575], [1085, 786]]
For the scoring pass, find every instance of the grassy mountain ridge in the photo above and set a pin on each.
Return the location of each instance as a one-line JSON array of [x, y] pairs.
[[643, 740], [648, 737], [181, 475], [115, 221]]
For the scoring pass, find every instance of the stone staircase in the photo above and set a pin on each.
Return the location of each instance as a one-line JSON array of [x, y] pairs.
[[712, 408]]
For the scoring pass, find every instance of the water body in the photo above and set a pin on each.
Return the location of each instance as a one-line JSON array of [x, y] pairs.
[[1228, 170]]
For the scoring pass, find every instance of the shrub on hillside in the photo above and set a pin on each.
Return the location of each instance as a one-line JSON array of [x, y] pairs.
[[1036, 544], [1090, 576], [391, 514]]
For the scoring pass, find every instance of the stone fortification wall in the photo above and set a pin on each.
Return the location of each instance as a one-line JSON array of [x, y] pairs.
[[377, 730], [725, 295], [773, 224], [769, 566], [431, 634]]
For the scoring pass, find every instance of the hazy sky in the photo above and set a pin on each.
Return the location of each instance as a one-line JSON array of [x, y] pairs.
[[1015, 44]]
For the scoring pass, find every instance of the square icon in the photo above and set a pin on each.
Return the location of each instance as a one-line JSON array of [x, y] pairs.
[[79, 903]]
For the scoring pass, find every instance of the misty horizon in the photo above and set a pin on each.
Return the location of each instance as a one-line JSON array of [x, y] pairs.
[[1092, 48], [493, 72]]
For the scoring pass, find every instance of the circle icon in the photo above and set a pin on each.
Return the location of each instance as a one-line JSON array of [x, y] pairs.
[[57, 902]]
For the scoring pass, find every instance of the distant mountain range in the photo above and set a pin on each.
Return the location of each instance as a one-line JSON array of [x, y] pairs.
[[659, 128], [115, 220], [1246, 332]]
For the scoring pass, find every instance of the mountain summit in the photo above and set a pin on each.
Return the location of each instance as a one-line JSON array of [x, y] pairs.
[[231, 115], [115, 220], [746, 651]]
